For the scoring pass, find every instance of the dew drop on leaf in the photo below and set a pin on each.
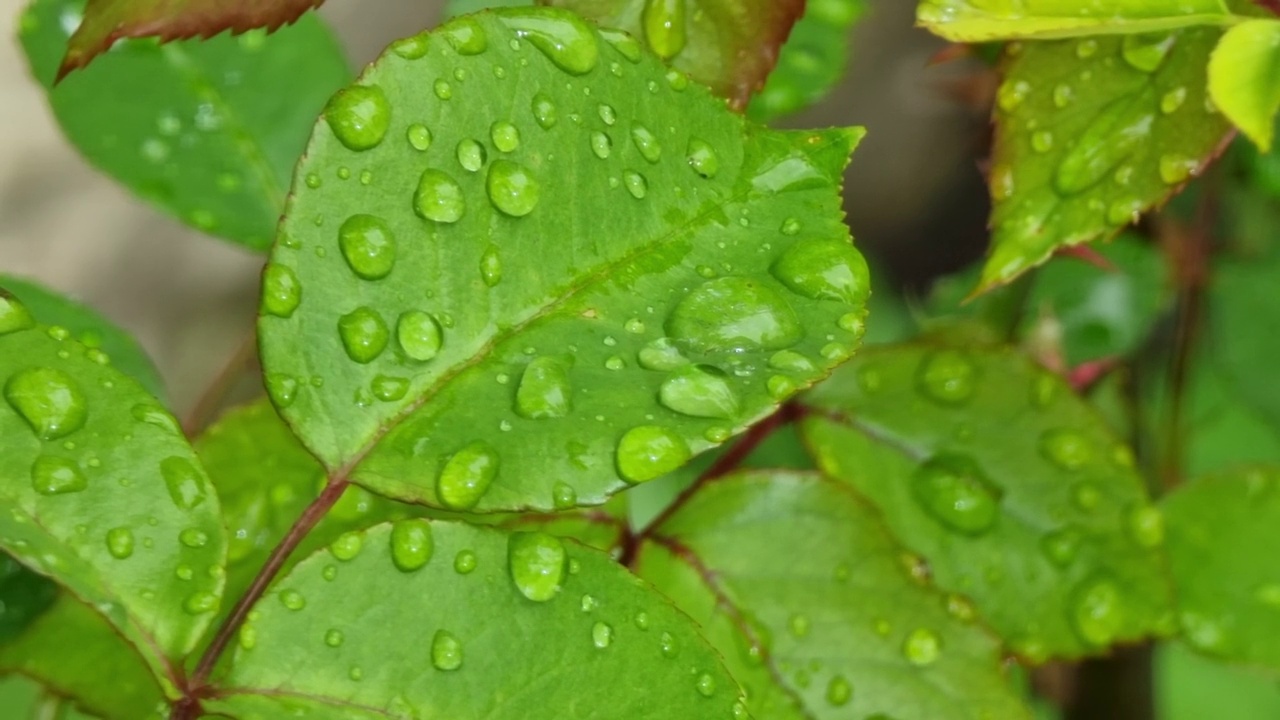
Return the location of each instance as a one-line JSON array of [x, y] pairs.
[[566, 40], [839, 691], [1061, 546], [465, 36], [281, 291], [601, 145], [446, 651], [411, 544], [1097, 611], [347, 546], [466, 476], [419, 137], [824, 270], [636, 184], [364, 334], [439, 198], [601, 635], [664, 24], [1067, 449], [505, 136], [650, 451], [1146, 525], [368, 246], [922, 647], [544, 390], [538, 563], [702, 158], [947, 377], [14, 316], [184, 481], [359, 116], [733, 314], [471, 155], [1147, 52], [706, 685], [49, 400], [953, 489], [647, 143], [563, 496], [544, 111], [419, 335], [699, 391], [512, 188], [464, 562], [120, 542], [334, 638]]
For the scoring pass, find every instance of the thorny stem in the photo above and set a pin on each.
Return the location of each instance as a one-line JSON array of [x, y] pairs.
[[210, 401], [189, 707]]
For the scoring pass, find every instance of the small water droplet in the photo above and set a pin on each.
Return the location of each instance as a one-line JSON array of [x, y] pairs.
[[563, 496], [538, 563], [953, 489], [1176, 169], [1063, 95], [466, 36], [699, 391], [636, 184], [839, 691], [661, 355], [922, 647], [947, 377], [364, 334], [1147, 52], [446, 651], [281, 291], [334, 638], [664, 25], [544, 390], [647, 143], [466, 476], [512, 188], [706, 685], [1086, 48], [824, 270], [702, 158], [439, 198], [200, 602], [601, 145], [733, 314], [442, 89], [1146, 525], [464, 563], [567, 41], [359, 116], [650, 451], [411, 544], [1012, 93], [368, 246], [544, 111], [347, 546], [491, 267], [388, 388], [1042, 141], [1068, 449], [1173, 100], [49, 400], [419, 335], [505, 136], [411, 48], [120, 542], [471, 155], [185, 481], [601, 635], [1062, 546], [293, 600], [1098, 611], [14, 316], [419, 136]]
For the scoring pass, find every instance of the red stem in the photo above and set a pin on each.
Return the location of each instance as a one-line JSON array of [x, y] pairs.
[[1272, 5]]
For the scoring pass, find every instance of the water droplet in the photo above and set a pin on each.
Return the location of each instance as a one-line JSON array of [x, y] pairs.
[[953, 489], [446, 651], [538, 563], [664, 26], [1086, 48], [636, 184], [1062, 546], [1086, 495], [411, 544], [512, 188], [566, 40], [347, 546], [1042, 141], [650, 451], [563, 496], [471, 155], [388, 388], [200, 602], [601, 145], [1098, 611], [702, 158], [824, 270], [1012, 93], [1067, 449], [359, 116], [1176, 169], [364, 334], [670, 648], [544, 390], [293, 600], [947, 376], [791, 361], [798, 625], [1146, 526], [464, 562], [281, 291], [505, 136], [466, 476], [922, 647], [334, 638], [465, 36], [544, 111], [120, 542], [661, 355], [1173, 100], [368, 246], [699, 391], [439, 198], [647, 143], [601, 635], [14, 316], [839, 691], [185, 482], [706, 685], [442, 89], [419, 136], [419, 335], [411, 48], [733, 314], [1063, 95], [1147, 52], [49, 400]]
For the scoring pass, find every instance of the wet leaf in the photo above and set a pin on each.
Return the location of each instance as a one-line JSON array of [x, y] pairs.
[[474, 273], [1222, 532], [1243, 80], [1009, 487], [471, 643], [1090, 134], [811, 62], [980, 21], [200, 129], [798, 585]]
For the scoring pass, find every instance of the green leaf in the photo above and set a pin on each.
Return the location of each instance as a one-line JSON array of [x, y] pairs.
[[983, 20], [76, 653], [1243, 78], [1222, 533], [729, 45], [206, 131], [799, 586], [445, 643], [100, 492], [1010, 487], [88, 327], [1090, 134], [1193, 687], [586, 354], [454, 8], [1242, 301], [811, 62], [24, 596]]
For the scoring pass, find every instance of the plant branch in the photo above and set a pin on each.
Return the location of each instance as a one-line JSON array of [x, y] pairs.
[[211, 400], [1273, 6]]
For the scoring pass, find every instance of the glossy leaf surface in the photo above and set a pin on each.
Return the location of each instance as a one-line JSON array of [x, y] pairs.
[[471, 643], [76, 653], [1222, 533], [728, 45], [798, 584], [1090, 134], [1244, 81], [983, 20], [202, 130], [101, 492], [1010, 488], [812, 61], [89, 328], [476, 272]]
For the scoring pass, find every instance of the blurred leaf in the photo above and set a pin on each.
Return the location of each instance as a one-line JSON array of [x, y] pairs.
[[503, 639], [454, 8], [729, 45], [75, 652], [1242, 301], [1223, 530], [24, 595], [1192, 687], [100, 492], [811, 62], [982, 20], [798, 585], [1243, 78], [725, 284], [1090, 134], [1010, 487], [90, 328], [206, 131]]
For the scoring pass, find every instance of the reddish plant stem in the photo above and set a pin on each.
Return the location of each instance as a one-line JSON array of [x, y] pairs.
[[210, 401], [189, 707], [1272, 5]]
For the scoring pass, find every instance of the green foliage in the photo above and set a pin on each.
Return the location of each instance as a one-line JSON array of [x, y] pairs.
[[1243, 79], [811, 62], [979, 20]]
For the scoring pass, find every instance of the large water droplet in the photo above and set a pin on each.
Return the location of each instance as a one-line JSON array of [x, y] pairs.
[[281, 291], [439, 198], [544, 390], [544, 111], [1109, 140], [650, 451], [368, 246], [512, 188], [733, 314], [466, 476], [947, 376], [699, 391], [359, 116], [419, 335], [56, 476], [565, 39], [953, 489], [824, 270], [702, 158], [411, 544], [538, 563], [647, 143], [446, 651], [49, 400], [661, 355], [14, 316], [364, 334], [665, 26], [465, 36], [184, 480], [120, 542], [1147, 52], [922, 647], [1098, 611], [1068, 449]]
